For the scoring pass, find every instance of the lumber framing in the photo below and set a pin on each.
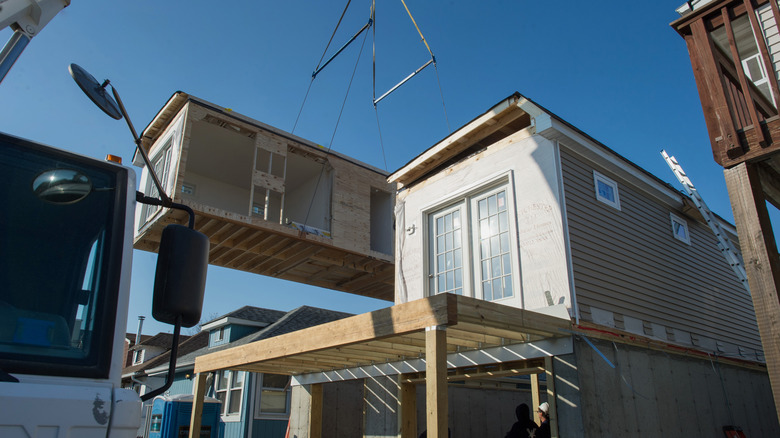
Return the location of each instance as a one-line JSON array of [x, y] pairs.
[[431, 328]]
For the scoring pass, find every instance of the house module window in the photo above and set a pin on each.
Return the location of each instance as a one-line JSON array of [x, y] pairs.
[[229, 387], [606, 190], [138, 357], [274, 395], [680, 228], [487, 256], [161, 163]]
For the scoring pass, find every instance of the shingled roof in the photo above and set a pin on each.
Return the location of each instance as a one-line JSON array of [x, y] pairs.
[[251, 313], [296, 319]]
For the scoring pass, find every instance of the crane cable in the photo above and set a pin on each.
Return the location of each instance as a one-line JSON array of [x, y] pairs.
[[333, 136], [327, 46]]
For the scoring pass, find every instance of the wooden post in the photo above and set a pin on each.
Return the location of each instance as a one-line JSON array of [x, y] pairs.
[[550, 376], [199, 392], [535, 394], [436, 381], [759, 252], [407, 422], [315, 412]]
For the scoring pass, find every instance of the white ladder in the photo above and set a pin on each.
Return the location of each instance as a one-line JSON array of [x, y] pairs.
[[726, 247]]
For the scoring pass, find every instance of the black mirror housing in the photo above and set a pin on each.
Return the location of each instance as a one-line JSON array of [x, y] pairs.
[[180, 278]]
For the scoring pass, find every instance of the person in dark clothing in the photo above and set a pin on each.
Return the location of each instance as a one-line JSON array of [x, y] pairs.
[[544, 420], [524, 427]]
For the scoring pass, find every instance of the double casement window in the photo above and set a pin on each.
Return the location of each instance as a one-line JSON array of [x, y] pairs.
[[470, 246], [229, 386], [161, 163]]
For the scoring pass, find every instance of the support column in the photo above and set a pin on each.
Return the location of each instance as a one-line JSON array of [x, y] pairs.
[[436, 381], [759, 252], [407, 421], [315, 413], [551, 399], [535, 394], [199, 392]]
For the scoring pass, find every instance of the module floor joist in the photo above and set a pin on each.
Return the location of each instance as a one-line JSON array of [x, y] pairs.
[[282, 252]]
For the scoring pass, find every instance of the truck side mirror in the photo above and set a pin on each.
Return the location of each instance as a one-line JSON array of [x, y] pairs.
[[180, 279]]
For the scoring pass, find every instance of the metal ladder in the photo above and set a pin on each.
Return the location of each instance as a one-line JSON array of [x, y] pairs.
[[726, 247]]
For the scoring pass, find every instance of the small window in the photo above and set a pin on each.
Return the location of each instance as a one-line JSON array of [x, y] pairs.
[[138, 357], [606, 190], [188, 188], [219, 334], [680, 229], [274, 394]]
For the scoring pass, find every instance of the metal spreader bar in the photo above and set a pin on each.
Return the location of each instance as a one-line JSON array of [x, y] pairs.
[[726, 247], [366, 26], [430, 61]]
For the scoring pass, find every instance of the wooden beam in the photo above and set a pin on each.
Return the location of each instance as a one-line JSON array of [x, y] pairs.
[[315, 413], [759, 250], [407, 421], [743, 80], [720, 126], [199, 392], [551, 399], [392, 321], [436, 381], [535, 393]]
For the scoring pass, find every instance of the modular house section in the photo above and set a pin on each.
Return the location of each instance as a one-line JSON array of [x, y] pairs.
[[520, 208], [270, 203]]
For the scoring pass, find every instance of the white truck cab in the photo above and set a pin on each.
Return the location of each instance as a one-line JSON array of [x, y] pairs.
[[65, 266]]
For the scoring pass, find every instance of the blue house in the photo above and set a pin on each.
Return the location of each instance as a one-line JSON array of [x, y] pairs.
[[254, 405]]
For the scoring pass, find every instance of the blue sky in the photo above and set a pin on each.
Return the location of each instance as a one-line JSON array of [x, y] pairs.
[[614, 69]]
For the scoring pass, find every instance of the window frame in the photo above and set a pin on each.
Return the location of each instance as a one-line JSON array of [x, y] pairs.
[[600, 178], [228, 391], [163, 155], [465, 201], [677, 219], [259, 414]]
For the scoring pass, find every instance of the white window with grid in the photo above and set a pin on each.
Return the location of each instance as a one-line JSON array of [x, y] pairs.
[[470, 246], [229, 388], [161, 163]]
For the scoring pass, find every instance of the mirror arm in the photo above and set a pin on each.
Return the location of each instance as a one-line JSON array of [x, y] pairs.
[[143, 199], [171, 365], [137, 141]]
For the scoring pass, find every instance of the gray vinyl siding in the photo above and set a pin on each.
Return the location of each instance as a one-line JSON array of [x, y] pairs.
[[627, 262]]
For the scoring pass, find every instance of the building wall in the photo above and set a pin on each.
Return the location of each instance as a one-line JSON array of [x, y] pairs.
[[530, 164], [342, 415], [632, 274], [652, 393]]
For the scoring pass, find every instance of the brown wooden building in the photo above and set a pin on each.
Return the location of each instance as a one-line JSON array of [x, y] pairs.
[[735, 54]]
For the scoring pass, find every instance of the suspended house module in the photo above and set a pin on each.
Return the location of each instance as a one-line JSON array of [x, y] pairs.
[[271, 203]]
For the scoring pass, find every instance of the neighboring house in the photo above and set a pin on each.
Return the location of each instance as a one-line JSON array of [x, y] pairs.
[[150, 352], [130, 341], [527, 249], [253, 404]]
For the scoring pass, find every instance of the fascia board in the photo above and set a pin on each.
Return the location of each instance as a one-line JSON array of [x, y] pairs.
[[454, 137], [232, 321], [586, 148]]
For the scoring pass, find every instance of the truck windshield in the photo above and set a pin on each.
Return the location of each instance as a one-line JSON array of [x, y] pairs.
[[60, 259]]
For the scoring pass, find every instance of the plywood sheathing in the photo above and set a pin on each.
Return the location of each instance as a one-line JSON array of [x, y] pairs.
[[501, 120], [344, 262], [387, 335]]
